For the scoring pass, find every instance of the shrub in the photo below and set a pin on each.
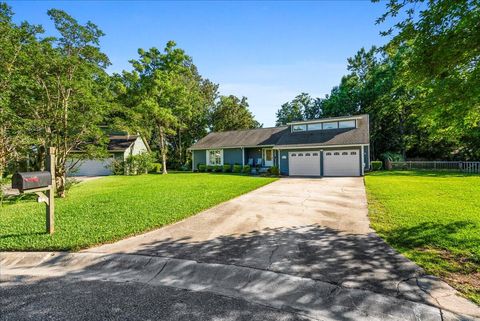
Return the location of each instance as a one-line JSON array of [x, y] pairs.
[[117, 167], [138, 164], [210, 168], [274, 171], [144, 162], [246, 169], [217, 168], [376, 165], [392, 157], [155, 168], [237, 168], [227, 168], [202, 167]]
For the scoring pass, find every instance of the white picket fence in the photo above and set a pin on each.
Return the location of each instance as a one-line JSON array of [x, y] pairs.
[[466, 167]]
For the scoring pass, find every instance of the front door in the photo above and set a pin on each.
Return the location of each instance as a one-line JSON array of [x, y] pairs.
[[268, 157]]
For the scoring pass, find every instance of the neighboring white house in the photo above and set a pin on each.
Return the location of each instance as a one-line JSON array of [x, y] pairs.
[[119, 148]]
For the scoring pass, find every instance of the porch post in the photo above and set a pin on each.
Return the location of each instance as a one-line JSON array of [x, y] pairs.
[[278, 160], [243, 156]]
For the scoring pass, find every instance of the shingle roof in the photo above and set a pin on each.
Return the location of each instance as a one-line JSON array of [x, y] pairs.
[[283, 137], [241, 138], [346, 136], [119, 143]]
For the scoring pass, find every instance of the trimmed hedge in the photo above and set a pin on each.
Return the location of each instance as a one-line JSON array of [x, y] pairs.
[[237, 168], [210, 168], [202, 168], [227, 168], [217, 168], [376, 165], [246, 169]]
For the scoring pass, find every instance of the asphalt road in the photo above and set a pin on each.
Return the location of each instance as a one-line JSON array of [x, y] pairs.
[[60, 299]]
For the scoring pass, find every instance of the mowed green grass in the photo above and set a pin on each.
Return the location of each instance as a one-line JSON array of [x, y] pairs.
[[433, 219], [111, 208]]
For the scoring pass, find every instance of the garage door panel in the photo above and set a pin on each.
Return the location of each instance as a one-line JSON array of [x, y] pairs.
[[94, 167], [304, 163], [341, 163]]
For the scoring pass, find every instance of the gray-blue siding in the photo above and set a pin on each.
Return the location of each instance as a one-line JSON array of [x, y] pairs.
[[366, 157], [230, 156], [199, 157]]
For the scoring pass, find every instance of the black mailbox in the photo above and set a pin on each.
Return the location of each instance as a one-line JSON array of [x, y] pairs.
[[31, 180]]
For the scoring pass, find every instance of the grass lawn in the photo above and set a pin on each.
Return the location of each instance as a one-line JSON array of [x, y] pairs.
[[111, 208], [433, 218]]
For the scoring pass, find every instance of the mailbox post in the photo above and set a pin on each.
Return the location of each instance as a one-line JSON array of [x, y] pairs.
[[39, 182]]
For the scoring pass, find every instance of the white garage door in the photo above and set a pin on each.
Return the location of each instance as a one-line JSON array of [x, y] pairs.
[[341, 163], [94, 167], [305, 163]]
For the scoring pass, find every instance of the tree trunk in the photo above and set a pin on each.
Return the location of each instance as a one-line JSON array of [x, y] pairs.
[[1, 181], [402, 134], [163, 149], [60, 180], [180, 154]]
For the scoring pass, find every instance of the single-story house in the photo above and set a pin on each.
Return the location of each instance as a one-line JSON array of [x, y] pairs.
[[338, 146], [119, 147]]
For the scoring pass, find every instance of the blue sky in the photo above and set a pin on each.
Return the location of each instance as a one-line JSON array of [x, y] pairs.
[[266, 51]]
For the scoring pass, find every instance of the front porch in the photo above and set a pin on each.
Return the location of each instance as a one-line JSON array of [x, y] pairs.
[[260, 157]]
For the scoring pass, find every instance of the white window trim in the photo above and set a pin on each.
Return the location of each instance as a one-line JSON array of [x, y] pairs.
[[207, 152], [297, 131]]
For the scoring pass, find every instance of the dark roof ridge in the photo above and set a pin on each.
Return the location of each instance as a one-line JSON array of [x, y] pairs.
[[246, 129]]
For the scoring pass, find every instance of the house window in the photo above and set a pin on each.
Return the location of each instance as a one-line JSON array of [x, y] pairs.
[[353, 153], [300, 154], [293, 155], [316, 126], [336, 153], [215, 157], [331, 125], [315, 154], [299, 128], [346, 124], [307, 154], [345, 153], [328, 154]]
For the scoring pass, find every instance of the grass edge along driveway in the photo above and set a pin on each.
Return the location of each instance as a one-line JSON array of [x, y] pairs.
[[114, 207], [433, 219]]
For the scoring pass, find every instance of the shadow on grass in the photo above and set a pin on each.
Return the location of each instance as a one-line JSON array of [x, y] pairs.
[[422, 173]]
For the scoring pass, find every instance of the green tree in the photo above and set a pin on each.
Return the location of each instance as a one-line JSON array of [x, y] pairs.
[[165, 95], [232, 113], [302, 107], [442, 64], [65, 101], [15, 43]]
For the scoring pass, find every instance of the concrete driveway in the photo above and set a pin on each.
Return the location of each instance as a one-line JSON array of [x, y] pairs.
[[294, 249]]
